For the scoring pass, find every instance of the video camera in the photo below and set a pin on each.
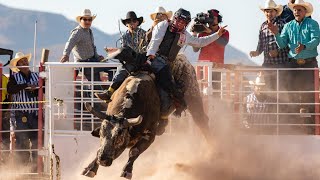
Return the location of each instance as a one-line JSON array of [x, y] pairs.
[[200, 21]]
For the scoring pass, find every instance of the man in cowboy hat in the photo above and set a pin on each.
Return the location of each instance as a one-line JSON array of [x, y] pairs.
[[274, 57], [159, 15], [214, 52], [23, 87], [256, 104], [134, 38], [302, 37], [81, 43]]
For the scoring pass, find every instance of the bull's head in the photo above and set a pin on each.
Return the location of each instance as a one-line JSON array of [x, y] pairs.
[[114, 135]]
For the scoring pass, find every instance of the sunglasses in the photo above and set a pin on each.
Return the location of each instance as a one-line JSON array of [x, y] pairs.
[[84, 19]]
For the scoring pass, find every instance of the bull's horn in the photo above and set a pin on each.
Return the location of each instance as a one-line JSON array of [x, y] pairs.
[[133, 121], [95, 112]]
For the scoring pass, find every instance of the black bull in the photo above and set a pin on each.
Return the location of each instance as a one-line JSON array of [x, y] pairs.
[[136, 131], [118, 133]]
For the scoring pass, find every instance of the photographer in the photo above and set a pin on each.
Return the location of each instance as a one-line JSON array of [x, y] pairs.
[[213, 52]]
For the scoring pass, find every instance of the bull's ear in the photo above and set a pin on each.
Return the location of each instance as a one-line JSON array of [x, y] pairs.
[[133, 121]]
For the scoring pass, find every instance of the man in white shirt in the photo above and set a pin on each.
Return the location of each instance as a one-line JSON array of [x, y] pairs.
[[168, 37]]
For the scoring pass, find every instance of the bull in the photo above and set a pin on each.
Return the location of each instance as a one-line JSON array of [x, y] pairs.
[[134, 112], [133, 115]]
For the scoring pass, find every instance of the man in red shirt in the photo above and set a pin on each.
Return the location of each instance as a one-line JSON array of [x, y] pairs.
[[214, 52]]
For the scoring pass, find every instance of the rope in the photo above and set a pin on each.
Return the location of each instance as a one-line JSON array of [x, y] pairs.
[[58, 173], [33, 102]]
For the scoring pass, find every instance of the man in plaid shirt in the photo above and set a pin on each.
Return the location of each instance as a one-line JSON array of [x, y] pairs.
[[257, 108], [274, 57]]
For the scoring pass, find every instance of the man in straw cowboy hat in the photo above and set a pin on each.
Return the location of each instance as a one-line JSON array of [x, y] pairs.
[[274, 57], [302, 37], [23, 87], [134, 38], [81, 43], [159, 15]]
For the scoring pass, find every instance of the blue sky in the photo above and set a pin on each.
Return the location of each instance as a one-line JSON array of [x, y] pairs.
[[243, 17]]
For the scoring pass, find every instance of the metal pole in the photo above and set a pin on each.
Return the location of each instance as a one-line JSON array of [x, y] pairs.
[[1, 104], [34, 46], [277, 101], [316, 95]]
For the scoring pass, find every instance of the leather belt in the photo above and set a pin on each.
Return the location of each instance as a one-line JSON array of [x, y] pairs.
[[303, 61]]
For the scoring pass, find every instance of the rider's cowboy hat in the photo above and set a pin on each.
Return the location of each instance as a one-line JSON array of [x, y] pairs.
[[270, 4], [258, 82], [161, 10], [306, 5], [131, 15], [18, 57], [85, 13]]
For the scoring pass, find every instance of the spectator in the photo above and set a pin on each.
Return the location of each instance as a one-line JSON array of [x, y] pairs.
[[302, 37], [159, 15], [213, 52], [287, 14], [273, 56], [257, 107], [135, 38], [23, 87], [81, 43]]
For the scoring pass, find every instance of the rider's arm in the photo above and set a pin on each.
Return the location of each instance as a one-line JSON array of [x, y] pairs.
[[200, 41], [157, 36]]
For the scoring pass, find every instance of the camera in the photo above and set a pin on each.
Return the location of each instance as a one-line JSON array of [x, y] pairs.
[[200, 21]]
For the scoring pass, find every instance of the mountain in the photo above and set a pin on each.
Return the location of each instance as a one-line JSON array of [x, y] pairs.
[[17, 33]]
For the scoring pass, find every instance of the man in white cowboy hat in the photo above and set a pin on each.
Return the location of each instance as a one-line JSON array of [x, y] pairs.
[[256, 105], [160, 14], [302, 35], [23, 87], [274, 57], [81, 43]]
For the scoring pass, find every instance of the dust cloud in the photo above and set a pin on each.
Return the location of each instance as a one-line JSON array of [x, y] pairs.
[[183, 154]]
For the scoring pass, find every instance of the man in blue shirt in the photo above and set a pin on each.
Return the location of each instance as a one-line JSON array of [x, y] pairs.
[[302, 37]]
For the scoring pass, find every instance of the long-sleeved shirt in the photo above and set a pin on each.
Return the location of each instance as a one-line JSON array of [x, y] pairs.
[[214, 52], [185, 38], [267, 42], [136, 40], [17, 85], [81, 43], [307, 33]]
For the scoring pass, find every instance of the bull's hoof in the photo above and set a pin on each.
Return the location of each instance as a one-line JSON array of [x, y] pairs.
[[88, 173], [126, 175]]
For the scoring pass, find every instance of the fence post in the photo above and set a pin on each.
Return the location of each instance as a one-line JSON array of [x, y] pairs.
[[44, 58], [316, 98], [1, 104]]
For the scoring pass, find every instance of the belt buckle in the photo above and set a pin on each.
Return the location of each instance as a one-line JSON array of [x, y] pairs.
[[301, 61]]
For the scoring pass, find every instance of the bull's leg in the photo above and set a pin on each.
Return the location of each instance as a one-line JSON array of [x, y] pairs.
[[135, 151], [92, 169], [198, 114]]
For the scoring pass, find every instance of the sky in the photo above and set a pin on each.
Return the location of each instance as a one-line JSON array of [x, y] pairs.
[[243, 17]]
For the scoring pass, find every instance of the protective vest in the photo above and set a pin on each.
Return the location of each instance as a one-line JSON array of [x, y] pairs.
[[169, 46]]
